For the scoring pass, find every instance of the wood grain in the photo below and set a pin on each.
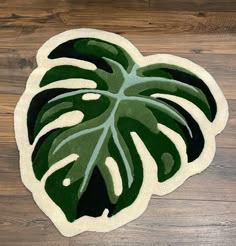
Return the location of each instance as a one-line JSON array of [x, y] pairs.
[[196, 5], [200, 212]]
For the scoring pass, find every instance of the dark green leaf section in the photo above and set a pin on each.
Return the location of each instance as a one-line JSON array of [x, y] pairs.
[[129, 194], [92, 203], [172, 87], [103, 80], [89, 202], [78, 142], [65, 197], [64, 72], [96, 197], [36, 105], [81, 145], [190, 132], [93, 50], [50, 104], [160, 147], [41, 151], [185, 77]]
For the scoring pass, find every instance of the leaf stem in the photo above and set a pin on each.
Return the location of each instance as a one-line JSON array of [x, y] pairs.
[[97, 148], [126, 163]]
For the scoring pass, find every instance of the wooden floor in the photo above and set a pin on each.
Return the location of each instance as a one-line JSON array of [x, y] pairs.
[[203, 210]]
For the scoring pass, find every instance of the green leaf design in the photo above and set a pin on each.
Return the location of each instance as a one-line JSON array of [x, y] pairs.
[[107, 169]]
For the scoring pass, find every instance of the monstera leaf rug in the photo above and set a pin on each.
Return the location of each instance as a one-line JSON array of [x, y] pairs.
[[100, 128]]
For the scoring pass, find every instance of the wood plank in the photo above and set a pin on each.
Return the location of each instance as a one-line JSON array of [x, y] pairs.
[[151, 42], [173, 223], [171, 22], [38, 243], [27, 24], [21, 217], [161, 224], [158, 5], [158, 27], [33, 5], [124, 20], [184, 43], [148, 43], [11, 184], [196, 5]]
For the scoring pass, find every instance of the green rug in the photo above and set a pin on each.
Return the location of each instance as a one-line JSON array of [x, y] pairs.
[[100, 128]]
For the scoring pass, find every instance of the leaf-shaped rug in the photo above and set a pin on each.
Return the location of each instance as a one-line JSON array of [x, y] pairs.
[[100, 128]]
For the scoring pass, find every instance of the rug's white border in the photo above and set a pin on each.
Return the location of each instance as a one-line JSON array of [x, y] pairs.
[[150, 186]]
